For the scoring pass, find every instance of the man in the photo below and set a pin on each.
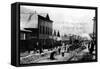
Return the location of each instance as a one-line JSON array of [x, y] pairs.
[[91, 47], [52, 55], [62, 51], [59, 50]]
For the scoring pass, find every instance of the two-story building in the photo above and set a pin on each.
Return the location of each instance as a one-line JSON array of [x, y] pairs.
[[45, 30], [35, 31]]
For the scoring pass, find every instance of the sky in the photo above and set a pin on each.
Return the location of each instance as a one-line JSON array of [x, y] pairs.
[[68, 20]]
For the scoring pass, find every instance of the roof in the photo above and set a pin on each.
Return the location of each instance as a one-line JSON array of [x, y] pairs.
[[86, 36], [29, 18], [43, 14], [45, 18], [24, 30]]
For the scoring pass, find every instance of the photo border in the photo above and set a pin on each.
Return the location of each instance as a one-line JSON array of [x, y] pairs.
[[59, 6]]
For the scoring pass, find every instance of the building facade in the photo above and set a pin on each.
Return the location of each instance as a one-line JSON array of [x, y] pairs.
[[45, 31], [37, 31], [94, 28], [93, 34]]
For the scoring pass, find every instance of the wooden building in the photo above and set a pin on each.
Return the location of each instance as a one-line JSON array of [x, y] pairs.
[[35, 31]]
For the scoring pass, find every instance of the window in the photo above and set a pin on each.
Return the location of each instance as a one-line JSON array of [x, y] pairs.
[[46, 30], [40, 29], [22, 36], [43, 29]]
